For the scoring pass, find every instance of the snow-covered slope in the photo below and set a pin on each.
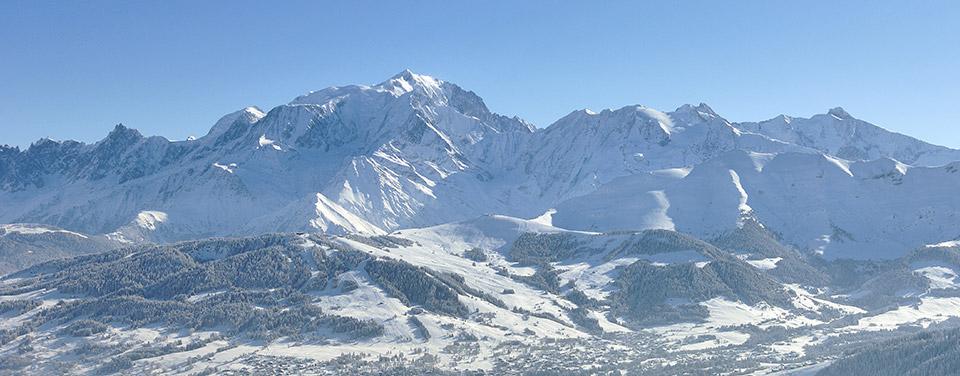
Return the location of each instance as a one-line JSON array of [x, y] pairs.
[[838, 208], [316, 213], [494, 294], [25, 244], [586, 149]]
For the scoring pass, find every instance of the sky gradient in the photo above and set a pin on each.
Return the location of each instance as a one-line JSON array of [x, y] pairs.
[[72, 70]]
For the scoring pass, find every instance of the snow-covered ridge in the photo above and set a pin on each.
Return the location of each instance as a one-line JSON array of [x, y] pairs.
[[837, 208], [839, 133], [31, 229]]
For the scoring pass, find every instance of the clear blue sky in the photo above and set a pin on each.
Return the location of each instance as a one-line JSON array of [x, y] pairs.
[[73, 69]]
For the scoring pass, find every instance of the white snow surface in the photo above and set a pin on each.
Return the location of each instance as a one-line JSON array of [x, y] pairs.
[[150, 219], [33, 229], [946, 244], [330, 214], [724, 314], [929, 310], [765, 264]]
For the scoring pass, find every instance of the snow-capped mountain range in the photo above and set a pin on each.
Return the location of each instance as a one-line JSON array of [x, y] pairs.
[[404, 228], [416, 151]]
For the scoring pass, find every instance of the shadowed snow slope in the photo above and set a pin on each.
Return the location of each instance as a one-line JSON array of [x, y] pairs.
[[841, 209]]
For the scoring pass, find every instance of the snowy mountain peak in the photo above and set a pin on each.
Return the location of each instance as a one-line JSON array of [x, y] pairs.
[[407, 81], [397, 86], [246, 116], [782, 119], [253, 112], [45, 141], [839, 113], [839, 133], [410, 77], [627, 115], [702, 109], [120, 136], [122, 131]]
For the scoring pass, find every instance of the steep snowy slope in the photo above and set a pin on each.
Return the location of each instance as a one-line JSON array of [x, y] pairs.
[[316, 213], [838, 208], [585, 149], [242, 119]]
